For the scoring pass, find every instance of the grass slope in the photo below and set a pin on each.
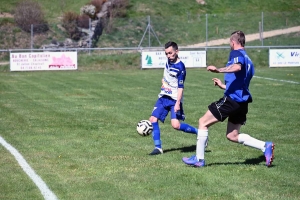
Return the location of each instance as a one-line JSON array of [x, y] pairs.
[[181, 21], [54, 9]]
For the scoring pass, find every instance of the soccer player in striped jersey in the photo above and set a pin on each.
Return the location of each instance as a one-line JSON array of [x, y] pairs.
[[233, 105], [170, 98]]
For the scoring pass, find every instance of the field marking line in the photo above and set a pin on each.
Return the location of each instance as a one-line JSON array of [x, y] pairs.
[[272, 79], [46, 192]]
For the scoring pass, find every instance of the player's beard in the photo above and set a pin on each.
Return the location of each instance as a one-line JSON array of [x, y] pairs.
[[174, 60]]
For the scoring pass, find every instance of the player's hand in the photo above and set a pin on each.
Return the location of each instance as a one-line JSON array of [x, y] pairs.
[[212, 69], [217, 82], [176, 108]]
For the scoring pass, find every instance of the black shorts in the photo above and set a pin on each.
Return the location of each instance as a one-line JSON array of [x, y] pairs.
[[226, 107]]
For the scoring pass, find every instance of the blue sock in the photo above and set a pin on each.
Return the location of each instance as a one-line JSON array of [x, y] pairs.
[[188, 128], [156, 135]]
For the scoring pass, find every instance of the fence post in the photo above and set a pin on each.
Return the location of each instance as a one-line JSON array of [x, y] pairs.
[[31, 37], [262, 28], [90, 36], [149, 29], [259, 30], [206, 29]]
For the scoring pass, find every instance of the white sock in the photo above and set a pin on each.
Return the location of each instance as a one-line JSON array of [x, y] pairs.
[[201, 143], [247, 140]]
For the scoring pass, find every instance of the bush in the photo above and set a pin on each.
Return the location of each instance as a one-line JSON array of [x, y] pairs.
[[69, 22], [29, 13], [98, 4], [83, 21], [89, 10]]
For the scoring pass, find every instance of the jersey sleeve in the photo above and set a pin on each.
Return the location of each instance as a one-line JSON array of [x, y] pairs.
[[181, 75], [236, 57]]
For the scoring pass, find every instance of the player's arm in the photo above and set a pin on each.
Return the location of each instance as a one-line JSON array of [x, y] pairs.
[[181, 78], [218, 82], [179, 97], [229, 69]]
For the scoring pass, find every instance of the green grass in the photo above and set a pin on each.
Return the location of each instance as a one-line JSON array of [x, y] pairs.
[[77, 128], [77, 131]]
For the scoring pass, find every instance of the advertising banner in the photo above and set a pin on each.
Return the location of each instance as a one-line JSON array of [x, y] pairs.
[[34, 61], [284, 57], [158, 59]]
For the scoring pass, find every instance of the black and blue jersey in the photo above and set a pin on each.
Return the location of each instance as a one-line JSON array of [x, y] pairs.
[[237, 84]]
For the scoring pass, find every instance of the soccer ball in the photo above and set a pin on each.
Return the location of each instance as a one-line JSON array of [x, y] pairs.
[[144, 128]]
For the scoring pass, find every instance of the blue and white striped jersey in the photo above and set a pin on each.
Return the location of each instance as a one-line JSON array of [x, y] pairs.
[[174, 77]]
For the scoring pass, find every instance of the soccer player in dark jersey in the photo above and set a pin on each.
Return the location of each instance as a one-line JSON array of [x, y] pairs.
[[170, 98], [233, 105]]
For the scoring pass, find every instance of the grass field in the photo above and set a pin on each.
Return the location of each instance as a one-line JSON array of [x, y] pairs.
[[76, 129]]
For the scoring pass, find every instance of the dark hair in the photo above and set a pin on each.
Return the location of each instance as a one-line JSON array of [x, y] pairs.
[[171, 44], [239, 37]]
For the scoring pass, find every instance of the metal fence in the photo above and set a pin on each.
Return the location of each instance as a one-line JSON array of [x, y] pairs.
[[186, 30], [189, 31]]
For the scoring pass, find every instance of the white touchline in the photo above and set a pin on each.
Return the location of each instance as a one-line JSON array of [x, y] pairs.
[[272, 79], [46, 192]]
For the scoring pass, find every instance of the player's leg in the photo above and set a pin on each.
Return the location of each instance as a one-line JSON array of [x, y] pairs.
[[204, 122], [242, 138], [158, 113], [217, 111], [179, 125], [233, 134], [156, 136], [245, 139]]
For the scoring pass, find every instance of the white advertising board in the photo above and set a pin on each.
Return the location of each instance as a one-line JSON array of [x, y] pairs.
[[158, 59], [37, 61], [284, 57]]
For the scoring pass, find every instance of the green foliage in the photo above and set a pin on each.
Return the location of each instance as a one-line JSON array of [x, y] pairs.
[[177, 7], [188, 20], [6, 21]]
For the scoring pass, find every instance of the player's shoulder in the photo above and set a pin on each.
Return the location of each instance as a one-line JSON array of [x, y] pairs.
[[237, 53], [180, 65]]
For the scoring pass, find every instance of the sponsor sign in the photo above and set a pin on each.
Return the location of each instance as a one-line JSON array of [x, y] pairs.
[[284, 57], [35, 61], [158, 59]]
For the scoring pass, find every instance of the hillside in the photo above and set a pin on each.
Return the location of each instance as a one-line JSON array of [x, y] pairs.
[[183, 21]]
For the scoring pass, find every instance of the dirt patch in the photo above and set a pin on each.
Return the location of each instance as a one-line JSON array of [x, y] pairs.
[[6, 15], [250, 37]]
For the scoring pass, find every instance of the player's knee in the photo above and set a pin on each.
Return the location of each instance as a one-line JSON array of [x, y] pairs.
[[202, 123], [176, 125], [153, 119]]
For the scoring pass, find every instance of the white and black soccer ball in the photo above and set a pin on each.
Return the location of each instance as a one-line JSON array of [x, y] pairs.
[[144, 127]]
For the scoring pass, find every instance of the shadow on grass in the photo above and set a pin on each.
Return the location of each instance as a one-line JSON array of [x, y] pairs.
[[252, 161], [191, 148]]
